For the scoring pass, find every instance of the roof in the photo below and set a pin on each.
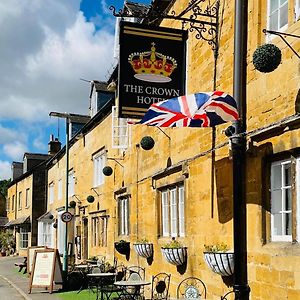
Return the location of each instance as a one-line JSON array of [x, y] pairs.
[[136, 8], [18, 221], [3, 221], [36, 156], [100, 86], [46, 216]]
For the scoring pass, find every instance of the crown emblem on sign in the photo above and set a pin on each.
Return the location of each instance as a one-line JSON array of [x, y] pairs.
[[152, 66]]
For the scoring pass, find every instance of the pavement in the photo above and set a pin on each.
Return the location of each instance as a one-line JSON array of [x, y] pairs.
[[14, 285]]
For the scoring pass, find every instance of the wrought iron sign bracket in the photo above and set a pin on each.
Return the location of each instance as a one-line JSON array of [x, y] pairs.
[[204, 21], [282, 35]]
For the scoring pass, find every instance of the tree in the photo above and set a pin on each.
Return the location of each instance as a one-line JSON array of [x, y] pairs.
[[3, 186]]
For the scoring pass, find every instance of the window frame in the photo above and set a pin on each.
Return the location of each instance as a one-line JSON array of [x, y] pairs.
[[51, 192], [27, 195], [123, 216], [59, 189], [99, 161], [278, 28], [20, 200], [8, 204], [297, 10], [24, 237], [71, 183], [99, 231], [172, 208], [294, 161]]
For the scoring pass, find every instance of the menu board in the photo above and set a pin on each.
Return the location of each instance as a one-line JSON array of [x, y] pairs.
[[46, 269], [30, 255]]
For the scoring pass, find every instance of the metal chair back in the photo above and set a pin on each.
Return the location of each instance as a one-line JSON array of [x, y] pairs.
[[160, 286], [191, 288], [137, 270]]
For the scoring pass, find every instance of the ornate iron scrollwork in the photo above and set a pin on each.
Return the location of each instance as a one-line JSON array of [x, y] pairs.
[[204, 21]]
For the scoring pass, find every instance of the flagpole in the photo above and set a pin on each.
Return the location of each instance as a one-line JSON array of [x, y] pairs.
[[238, 143]]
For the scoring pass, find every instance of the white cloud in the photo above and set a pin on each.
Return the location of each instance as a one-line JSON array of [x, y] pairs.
[[15, 150], [5, 170], [7, 135]]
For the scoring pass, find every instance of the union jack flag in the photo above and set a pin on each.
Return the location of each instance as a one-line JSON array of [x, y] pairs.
[[196, 110]]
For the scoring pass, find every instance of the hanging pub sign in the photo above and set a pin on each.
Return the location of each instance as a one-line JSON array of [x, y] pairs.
[[151, 67]]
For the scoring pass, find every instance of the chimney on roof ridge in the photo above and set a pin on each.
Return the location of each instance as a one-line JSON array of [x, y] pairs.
[[54, 145]]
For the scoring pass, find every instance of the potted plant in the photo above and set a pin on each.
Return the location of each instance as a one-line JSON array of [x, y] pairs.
[[174, 252], [143, 248], [6, 242], [122, 246], [219, 259]]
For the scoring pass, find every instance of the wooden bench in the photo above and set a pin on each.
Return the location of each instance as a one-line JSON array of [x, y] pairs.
[[22, 265]]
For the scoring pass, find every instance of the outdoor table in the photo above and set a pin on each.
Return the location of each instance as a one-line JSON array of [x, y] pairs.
[[134, 284], [101, 281], [83, 269]]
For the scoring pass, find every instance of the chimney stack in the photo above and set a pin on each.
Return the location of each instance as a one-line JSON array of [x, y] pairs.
[[54, 145]]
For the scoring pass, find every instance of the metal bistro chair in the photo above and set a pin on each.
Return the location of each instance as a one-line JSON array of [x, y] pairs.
[[109, 289], [93, 282], [134, 273], [160, 286], [191, 288]]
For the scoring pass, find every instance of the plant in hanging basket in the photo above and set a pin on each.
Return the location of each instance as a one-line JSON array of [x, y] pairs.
[[143, 248], [122, 246], [147, 142], [219, 259], [266, 58], [90, 199], [174, 253], [107, 170]]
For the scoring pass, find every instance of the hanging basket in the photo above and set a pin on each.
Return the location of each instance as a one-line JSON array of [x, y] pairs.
[[90, 199], [266, 58], [147, 142], [107, 170], [221, 263], [122, 247], [175, 256], [143, 249], [72, 204]]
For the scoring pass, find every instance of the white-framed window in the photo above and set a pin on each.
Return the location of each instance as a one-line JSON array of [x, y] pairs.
[[23, 237], [277, 14], [297, 9], [20, 200], [45, 233], [281, 200], [123, 213], [51, 193], [120, 131], [172, 202], [71, 183], [61, 233], [99, 161], [99, 231], [27, 195], [59, 189]]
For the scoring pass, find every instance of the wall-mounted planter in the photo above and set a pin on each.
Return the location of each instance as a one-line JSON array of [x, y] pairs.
[[175, 256], [143, 249], [122, 247], [221, 263]]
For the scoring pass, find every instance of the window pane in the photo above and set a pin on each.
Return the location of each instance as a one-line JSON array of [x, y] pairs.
[[273, 5], [273, 21], [277, 219], [173, 204], [276, 177], [288, 199], [181, 211], [288, 223], [287, 174], [165, 213], [276, 205], [284, 15], [282, 2]]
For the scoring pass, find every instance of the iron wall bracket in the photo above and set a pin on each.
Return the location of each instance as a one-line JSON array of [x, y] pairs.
[[204, 21]]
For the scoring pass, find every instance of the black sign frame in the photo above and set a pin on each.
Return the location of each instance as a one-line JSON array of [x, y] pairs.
[[139, 86]]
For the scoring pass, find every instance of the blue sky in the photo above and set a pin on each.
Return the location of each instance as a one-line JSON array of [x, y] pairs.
[[46, 47]]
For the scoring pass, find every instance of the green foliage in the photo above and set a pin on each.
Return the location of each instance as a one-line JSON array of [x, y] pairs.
[[143, 241], [219, 247], [3, 186], [90, 199], [266, 58], [173, 244], [121, 242], [7, 240]]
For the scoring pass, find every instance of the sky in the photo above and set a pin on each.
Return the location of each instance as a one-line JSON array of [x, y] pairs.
[[46, 47]]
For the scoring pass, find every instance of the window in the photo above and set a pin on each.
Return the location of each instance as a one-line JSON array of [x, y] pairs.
[[281, 200], [120, 130], [297, 9], [61, 233], [23, 237], [20, 201], [99, 231], [51, 193], [7, 204], [45, 233], [99, 163], [277, 14], [13, 203], [71, 183], [27, 198], [172, 212], [123, 210], [59, 189]]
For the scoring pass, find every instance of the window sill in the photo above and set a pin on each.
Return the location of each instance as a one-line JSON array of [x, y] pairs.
[[282, 248]]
